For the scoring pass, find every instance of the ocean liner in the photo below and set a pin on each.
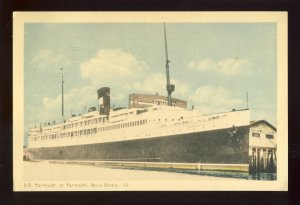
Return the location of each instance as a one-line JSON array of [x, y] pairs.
[[163, 130]]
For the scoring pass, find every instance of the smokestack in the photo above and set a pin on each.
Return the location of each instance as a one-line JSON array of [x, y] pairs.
[[104, 100]]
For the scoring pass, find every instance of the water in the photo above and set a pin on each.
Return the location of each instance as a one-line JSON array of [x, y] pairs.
[[263, 176]]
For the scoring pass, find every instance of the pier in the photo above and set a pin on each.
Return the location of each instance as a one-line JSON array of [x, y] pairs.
[[262, 148], [160, 165]]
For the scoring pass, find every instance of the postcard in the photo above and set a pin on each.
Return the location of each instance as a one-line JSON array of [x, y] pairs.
[[123, 101]]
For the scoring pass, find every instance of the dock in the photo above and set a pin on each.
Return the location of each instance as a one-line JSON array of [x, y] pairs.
[[160, 165]]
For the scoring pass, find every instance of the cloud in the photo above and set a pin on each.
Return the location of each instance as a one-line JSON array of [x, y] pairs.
[[73, 101], [205, 64], [111, 64], [227, 67], [121, 71], [210, 99], [107, 67], [46, 58], [156, 83]]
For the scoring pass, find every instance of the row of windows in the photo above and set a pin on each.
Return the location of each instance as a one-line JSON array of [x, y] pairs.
[[123, 125], [68, 134], [91, 131], [268, 136], [89, 122], [84, 123]]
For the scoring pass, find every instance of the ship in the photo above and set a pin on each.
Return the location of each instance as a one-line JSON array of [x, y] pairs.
[[160, 129]]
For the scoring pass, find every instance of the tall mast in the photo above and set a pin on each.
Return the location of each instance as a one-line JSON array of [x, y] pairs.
[[62, 91], [247, 99], [170, 88]]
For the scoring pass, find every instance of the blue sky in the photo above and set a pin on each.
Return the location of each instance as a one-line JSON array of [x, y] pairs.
[[213, 65]]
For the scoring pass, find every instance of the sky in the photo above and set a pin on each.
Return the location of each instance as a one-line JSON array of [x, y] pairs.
[[213, 66]]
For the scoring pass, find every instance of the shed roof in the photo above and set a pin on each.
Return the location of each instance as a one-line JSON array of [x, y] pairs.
[[253, 123]]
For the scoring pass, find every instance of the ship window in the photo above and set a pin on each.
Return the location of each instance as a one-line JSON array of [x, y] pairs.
[[254, 134], [268, 136]]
